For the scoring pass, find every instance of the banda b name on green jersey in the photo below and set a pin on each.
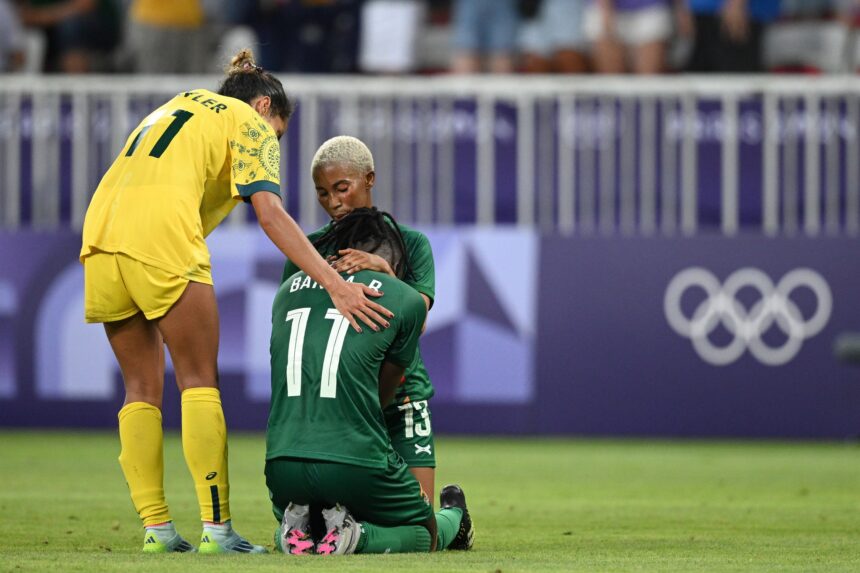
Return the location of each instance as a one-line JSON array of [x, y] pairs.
[[325, 387], [421, 278]]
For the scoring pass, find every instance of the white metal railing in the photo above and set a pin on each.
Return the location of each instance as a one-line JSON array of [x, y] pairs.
[[571, 154]]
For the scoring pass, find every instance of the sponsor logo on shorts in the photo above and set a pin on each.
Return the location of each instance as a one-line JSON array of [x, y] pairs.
[[419, 449]]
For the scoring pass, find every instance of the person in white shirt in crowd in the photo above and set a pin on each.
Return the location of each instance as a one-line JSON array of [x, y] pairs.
[[630, 35]]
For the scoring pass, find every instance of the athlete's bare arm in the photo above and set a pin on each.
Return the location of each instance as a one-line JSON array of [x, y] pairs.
[[349, 298]]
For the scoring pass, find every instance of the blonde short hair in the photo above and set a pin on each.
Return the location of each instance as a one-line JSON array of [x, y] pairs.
[[344, 149]]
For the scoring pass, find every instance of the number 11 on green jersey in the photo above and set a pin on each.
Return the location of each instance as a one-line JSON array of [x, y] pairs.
[[333, 349]]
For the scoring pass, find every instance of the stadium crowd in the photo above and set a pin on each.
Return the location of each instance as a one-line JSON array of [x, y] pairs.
[[431, 36]]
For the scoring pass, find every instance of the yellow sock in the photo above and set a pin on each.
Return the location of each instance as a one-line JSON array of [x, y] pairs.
[[204, 441], [142, 460]]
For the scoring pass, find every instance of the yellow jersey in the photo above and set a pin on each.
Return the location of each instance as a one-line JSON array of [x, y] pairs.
[[182, 170]]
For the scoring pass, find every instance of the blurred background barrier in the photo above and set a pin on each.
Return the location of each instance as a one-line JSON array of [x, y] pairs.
[[530, 333], [636, 156]]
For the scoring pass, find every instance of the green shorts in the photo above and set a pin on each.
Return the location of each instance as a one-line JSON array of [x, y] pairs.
[[412, 433], [388, 496]]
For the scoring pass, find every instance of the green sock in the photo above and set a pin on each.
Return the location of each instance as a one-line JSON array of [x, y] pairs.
[[447, 525], [403, 539]]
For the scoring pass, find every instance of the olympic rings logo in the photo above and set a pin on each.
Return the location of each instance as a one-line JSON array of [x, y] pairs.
[[747, 326]]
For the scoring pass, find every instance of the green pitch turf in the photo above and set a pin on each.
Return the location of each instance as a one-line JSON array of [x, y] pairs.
[[538, 504]]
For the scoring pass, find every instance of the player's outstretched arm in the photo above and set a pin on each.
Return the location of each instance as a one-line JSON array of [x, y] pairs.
[[349, 298]]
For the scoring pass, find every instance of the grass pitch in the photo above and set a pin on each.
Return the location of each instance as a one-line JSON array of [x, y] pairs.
[[538, 505]]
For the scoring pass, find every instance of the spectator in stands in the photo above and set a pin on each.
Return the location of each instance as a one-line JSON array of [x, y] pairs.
[[306, 36], [169, 37], [809, 38], [727, 34], [484, 36], [389, 29], [80, 34], [808, 8], [629, 35], [553, 40], [848, 11], [11, 39], [849, 14]]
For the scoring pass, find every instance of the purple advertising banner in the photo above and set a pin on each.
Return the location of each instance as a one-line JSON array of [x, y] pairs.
[[697, 337], [704, 336], [55, 370]]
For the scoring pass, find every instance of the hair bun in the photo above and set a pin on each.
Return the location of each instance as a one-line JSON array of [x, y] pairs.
[[242, 62]]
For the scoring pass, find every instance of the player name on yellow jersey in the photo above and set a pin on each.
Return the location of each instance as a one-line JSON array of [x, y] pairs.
[[205, 100]]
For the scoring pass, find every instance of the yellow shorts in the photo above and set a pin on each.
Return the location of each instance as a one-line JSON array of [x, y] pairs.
[[117, 286]]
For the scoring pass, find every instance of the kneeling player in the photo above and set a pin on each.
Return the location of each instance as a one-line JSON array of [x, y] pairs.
[[327, 443]]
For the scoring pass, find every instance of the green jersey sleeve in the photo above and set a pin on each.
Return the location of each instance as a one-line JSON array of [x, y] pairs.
[[290, 268], [411, 319], [423, 277]]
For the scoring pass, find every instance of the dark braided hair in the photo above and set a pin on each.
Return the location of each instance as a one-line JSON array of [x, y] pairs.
[[370, 230], [246, 80]]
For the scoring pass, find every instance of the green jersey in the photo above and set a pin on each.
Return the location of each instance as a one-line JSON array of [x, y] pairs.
[[325, 385], [417, 385]]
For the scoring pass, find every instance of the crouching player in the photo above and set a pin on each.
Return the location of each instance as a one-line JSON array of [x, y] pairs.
[[344, 176], [326, 441]]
